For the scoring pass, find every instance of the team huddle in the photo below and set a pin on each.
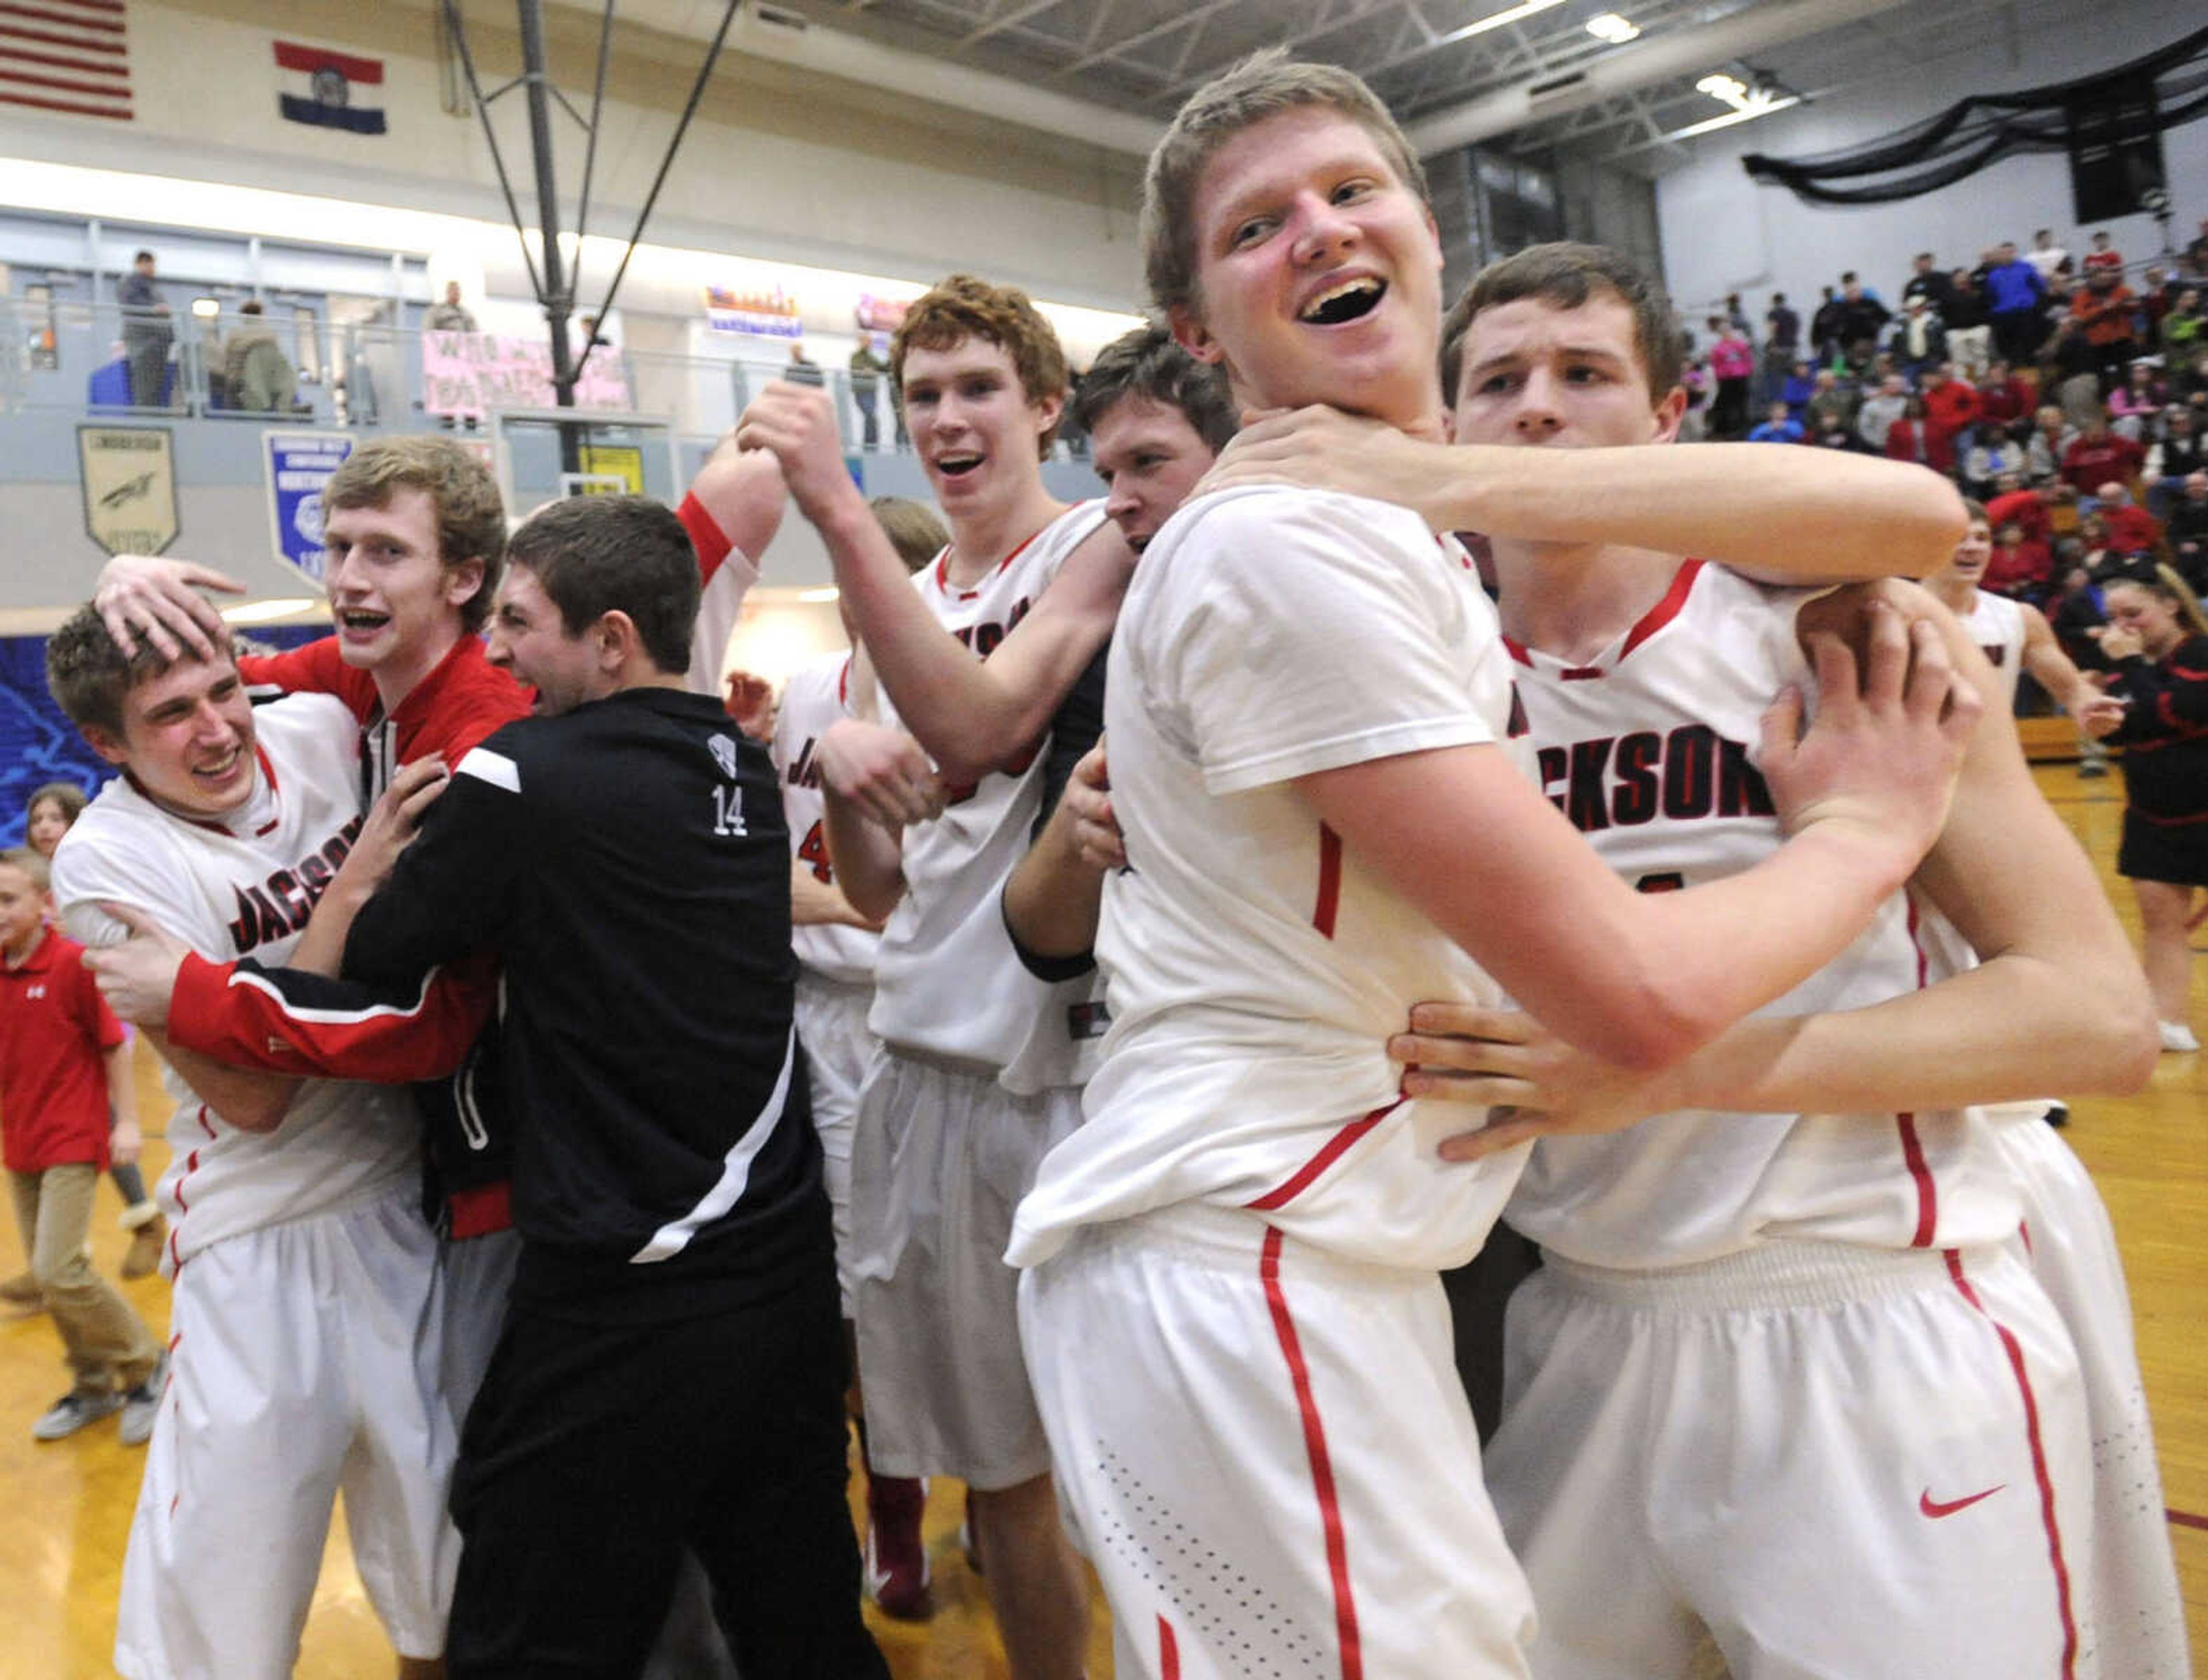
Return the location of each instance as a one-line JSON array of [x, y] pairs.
[[1215, 907]]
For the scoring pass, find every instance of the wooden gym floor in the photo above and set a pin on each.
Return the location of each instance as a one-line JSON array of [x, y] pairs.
[[68, 1505]]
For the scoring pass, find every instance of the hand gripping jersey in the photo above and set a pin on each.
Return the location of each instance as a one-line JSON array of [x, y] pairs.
[[1256, 974], [1647, 749], [813, 698], [948, 984], [247, 887]]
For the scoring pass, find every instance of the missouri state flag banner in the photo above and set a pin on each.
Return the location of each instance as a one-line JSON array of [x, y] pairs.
[[330, 90]]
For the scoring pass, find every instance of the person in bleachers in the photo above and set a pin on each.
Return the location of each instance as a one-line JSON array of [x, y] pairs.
[[1831, 398], [2188, 529], [2176, 455], [2097, 455], [1778, 426], [1970, 338], [146, 333], [2178, 333], [2106, 310], [451, 316], [1993, 458], [2015, 291], [1879, 412], [256, 373]]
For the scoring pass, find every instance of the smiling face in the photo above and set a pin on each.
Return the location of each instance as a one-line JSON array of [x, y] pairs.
[[978, 432], [396, 604], [187, 738], [1318, 272], [1149, 458], [529, 638], [1535, 373], [1968, 563]]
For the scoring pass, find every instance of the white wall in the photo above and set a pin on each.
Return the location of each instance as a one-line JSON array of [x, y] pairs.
[[1724, 232], [780, 165]]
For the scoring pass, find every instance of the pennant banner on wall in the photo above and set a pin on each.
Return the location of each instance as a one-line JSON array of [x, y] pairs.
[[330, 90], [129, 479], [69, 56]]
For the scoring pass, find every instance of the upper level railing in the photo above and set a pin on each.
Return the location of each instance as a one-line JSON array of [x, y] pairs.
[[75, 359]]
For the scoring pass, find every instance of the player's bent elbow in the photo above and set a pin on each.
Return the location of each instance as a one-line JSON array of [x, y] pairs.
[[2127, 1045], [1928, 520], [259, 1113], [1646, 1029]]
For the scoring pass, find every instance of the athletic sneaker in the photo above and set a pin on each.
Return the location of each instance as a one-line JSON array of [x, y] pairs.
[[72, 1411], [2176, 1036], [22, 1291], [897, 1560], [142, 1404]]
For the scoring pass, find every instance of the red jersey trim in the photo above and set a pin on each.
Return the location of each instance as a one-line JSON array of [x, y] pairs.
[[1302, 1179], [1913, 1145], [2047, 1517], [943, 564], [1322, 1462], [707, 537], [1169, 1652], [1674, 598], [1329, 899]]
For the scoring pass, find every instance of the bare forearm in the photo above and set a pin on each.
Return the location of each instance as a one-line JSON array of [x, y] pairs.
[[866, 859], [321, 950], [972, 716], [122, 1086], [2013, 1029], [814, 903], [1054, 898], [250, 1101], [1821, 515]]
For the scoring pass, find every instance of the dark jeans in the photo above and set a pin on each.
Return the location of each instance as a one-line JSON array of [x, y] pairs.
[[596, 1454], [149, 369]]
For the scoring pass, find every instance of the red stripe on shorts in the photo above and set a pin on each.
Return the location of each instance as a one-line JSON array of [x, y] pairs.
[[2015, 1351], [1321, 1466], [1169, 1652]]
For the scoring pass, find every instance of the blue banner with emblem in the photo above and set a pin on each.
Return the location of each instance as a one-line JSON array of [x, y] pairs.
[[297, 466]]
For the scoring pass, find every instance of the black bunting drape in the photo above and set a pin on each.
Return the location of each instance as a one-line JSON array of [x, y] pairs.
[[1974, 133]]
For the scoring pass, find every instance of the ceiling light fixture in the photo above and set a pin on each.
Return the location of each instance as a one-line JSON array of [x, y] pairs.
[[1612, 28], [262, 612], [1496, 20]]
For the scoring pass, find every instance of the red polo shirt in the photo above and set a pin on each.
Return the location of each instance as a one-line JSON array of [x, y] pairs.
[[54, 1027]]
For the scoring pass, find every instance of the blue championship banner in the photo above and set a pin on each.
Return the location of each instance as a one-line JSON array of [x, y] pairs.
[[297, 465]]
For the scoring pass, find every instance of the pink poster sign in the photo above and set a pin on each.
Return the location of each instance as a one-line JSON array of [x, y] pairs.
[[470, 373]]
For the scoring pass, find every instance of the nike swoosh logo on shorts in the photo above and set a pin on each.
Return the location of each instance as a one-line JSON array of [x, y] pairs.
[[1936, 1508]]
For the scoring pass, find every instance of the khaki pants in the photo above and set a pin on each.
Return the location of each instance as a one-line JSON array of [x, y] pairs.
[[108, 1343]]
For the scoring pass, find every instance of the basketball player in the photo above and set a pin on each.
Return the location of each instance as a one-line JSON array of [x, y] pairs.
[[2014, 635], [304, 1319], [981, 1062], [1841, 1276], [834, 947], [1232, 1315]]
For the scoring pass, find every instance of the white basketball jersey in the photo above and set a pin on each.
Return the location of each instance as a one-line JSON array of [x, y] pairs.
[[1995, 623], [948, 984], [1648, 749], [813, 698], [1256, 972], [245, 888]]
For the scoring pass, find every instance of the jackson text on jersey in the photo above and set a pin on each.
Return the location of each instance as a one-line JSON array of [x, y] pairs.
[[279, 905], [1683, 773]]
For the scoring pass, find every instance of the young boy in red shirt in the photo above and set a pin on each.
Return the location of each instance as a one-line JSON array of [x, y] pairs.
[[64, 1060]]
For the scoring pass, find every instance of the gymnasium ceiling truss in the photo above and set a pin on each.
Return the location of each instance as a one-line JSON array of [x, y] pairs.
[[553, 284]]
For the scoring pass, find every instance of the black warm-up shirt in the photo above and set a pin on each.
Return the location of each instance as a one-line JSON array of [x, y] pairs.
[[628, 860]]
